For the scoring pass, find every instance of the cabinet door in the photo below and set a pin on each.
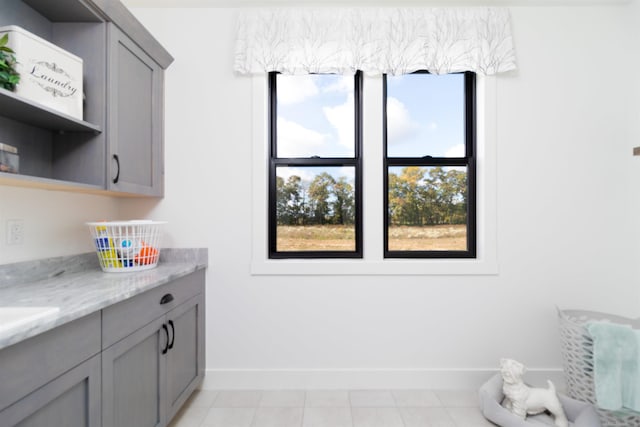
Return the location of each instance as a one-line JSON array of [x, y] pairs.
[[135, 118], [134, 380], [71, 400], [185, 359]]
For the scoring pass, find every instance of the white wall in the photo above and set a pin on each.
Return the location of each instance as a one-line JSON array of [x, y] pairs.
[[54, 222], [567, 233], [567, 209], [633, 92]]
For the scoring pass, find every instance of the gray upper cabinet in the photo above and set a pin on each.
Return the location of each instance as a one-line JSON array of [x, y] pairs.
[[134, 117], [123, 107]]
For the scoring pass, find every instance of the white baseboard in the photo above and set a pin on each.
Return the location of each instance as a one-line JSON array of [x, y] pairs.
[[363, 379]]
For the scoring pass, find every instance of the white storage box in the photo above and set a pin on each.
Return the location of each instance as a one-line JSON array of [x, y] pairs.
[[49, 75]]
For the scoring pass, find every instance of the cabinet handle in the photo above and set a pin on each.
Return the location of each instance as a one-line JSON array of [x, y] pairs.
[[166, 299], [173, 334], [166, 331], [117, 159]]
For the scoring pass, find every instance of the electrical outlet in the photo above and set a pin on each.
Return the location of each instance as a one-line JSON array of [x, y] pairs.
[[15, 232]]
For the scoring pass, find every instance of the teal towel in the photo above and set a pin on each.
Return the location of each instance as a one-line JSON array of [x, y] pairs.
[[631, 385], [616, 374]]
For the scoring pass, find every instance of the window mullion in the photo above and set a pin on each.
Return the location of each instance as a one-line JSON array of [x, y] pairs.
[[315, 162], [373, 221], [440, 161]]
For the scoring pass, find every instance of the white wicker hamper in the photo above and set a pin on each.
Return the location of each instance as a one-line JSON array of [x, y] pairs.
[[577, 354]]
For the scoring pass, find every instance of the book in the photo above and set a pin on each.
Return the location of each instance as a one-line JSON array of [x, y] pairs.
[[9, 159], [8, 148]]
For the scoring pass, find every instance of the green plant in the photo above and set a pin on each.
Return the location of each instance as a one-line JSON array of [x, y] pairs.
[[9, 77]]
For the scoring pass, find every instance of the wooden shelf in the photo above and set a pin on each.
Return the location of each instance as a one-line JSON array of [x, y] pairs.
[[17, 180], [36, 182], [23, 110]]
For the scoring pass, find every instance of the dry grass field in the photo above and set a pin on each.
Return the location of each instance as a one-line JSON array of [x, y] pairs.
[[316, 238], [342, 238], [433, 238]]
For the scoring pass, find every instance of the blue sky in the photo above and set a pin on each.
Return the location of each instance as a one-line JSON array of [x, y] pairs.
[[425, 114], [316, 117]]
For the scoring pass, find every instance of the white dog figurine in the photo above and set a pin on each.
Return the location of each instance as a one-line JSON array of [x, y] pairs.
[[523, 400]]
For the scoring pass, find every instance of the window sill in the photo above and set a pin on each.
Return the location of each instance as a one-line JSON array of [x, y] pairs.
[[391, 267]]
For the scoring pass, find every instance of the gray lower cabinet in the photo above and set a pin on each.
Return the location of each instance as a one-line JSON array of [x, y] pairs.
[[135, 117], [149, 374], [71, 400], [53, 379], [133, 385], [185, 358], [133, 364]]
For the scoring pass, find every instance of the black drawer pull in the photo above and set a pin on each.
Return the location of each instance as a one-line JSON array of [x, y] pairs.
[[173, 334], [166, 299], [166, 331]]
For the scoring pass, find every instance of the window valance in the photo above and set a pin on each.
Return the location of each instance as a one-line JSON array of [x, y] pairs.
[[374, 40]]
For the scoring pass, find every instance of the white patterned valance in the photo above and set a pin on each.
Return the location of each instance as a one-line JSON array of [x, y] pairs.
[[374, 40]]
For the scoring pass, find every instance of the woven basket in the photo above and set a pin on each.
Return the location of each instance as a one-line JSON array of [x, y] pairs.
[[577, 354]]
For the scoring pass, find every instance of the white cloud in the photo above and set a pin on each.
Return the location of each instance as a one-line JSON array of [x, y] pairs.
[[342, 118], [348, 172], [342, 84], [456, 151], [400, 126], [295, 140], [304, 174], [308, 174], [295, 89]]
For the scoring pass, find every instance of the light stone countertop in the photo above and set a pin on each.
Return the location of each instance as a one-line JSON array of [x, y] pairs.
[[77, 287]]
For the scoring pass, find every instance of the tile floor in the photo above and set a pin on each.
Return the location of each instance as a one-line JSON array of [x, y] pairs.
[[323, 408]]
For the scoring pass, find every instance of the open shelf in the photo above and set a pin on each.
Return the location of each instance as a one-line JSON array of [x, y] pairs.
[[23, 110]]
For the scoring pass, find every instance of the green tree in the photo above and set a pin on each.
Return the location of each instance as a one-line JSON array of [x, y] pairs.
[[344, 208], [281, 201], [427, 196], [457, 185], [407, 196], [320, 192], [291, 203]]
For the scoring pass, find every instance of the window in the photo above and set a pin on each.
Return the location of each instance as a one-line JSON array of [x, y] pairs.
[[472, 211], [315, 180], [429, 161]]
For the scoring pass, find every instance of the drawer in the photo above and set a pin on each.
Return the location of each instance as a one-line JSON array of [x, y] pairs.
[[124, 318], [29, 364]]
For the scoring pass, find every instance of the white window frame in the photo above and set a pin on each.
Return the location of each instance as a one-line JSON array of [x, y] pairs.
[[373, 261]]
